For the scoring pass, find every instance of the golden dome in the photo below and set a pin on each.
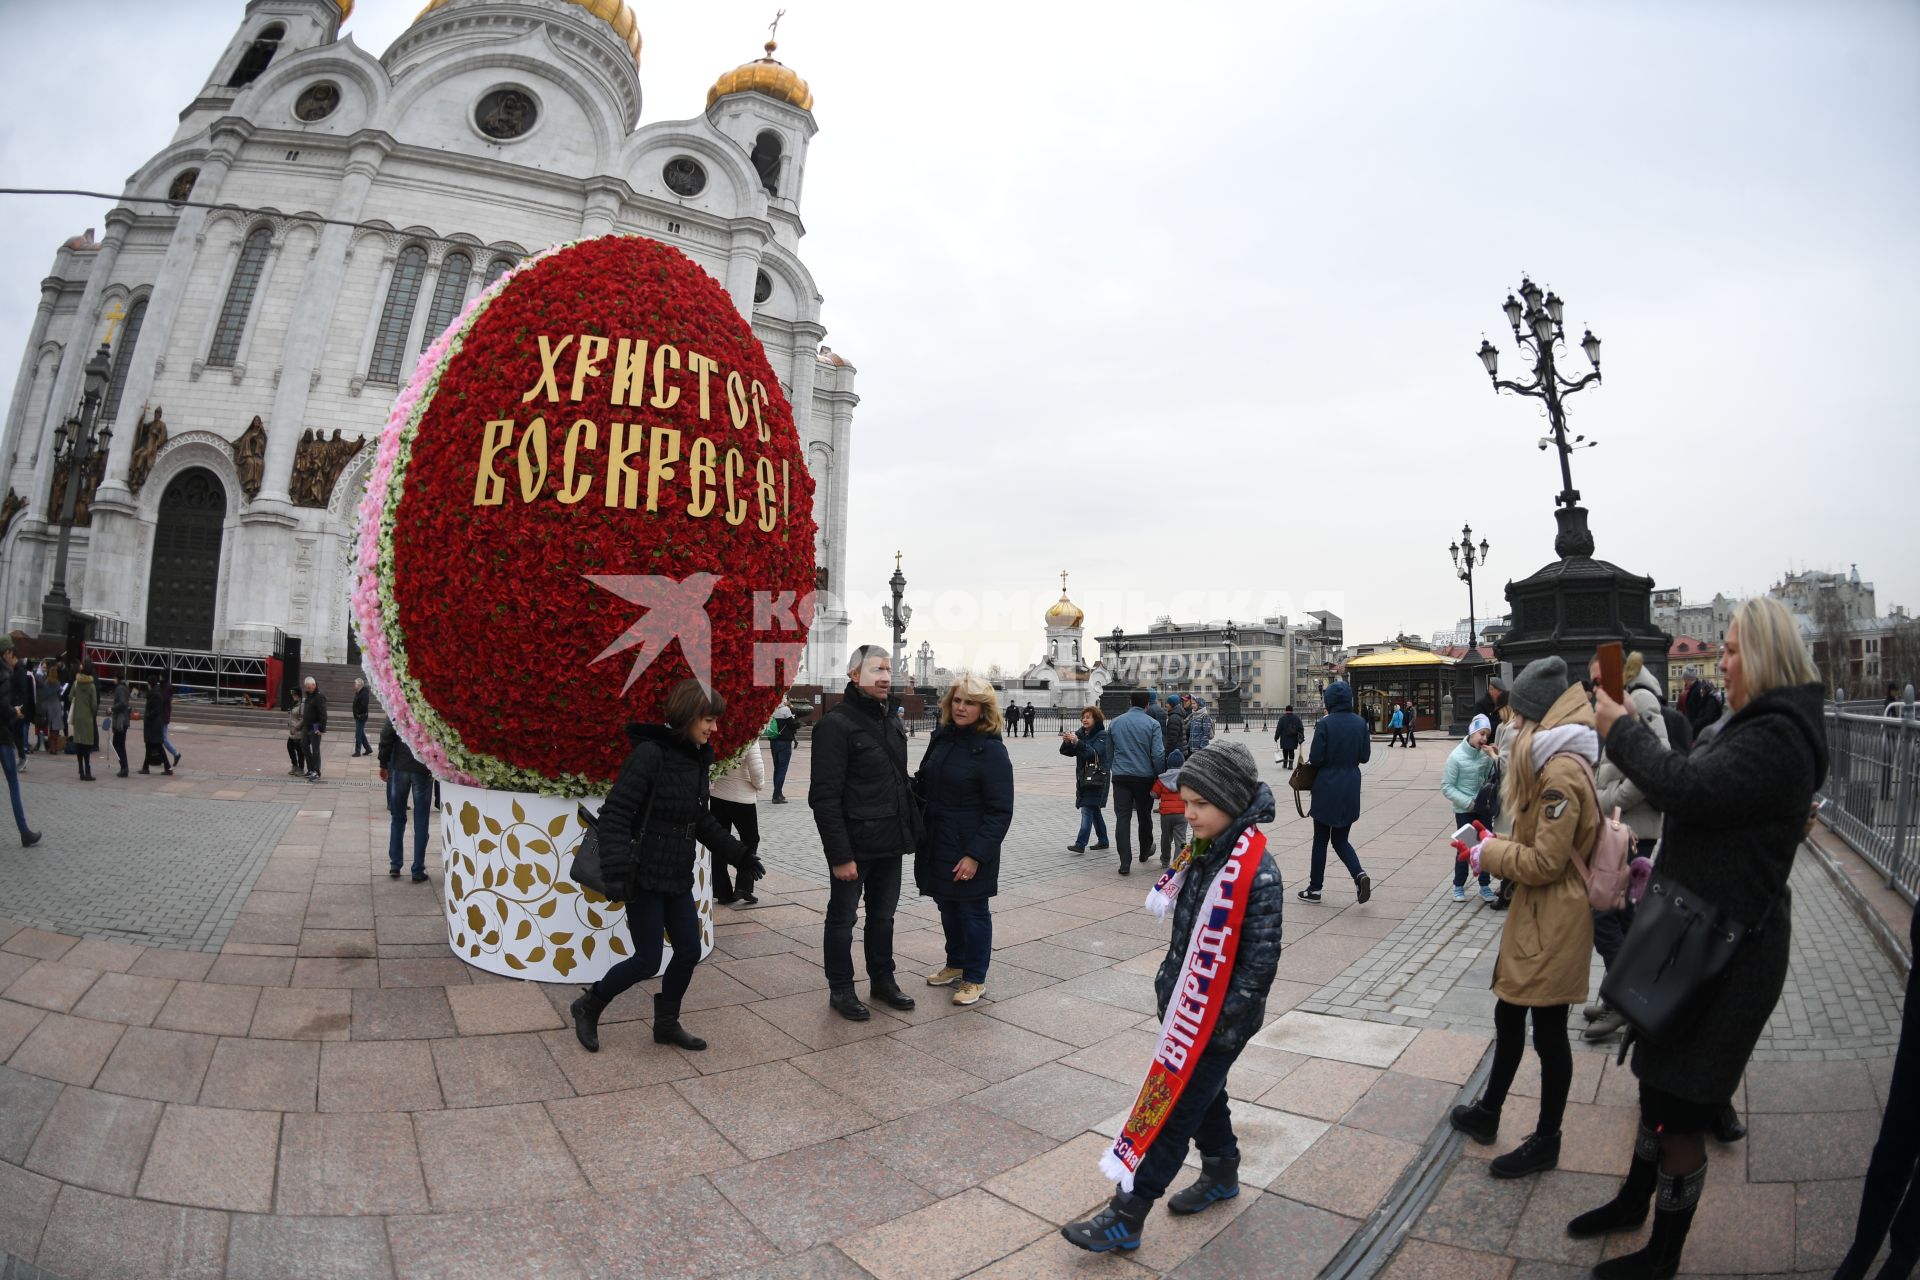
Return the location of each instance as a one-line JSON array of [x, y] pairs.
[[346, 9], [612, 12], [1065, 614], [764, 75]]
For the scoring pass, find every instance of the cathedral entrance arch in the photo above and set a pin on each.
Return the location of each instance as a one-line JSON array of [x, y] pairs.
[[183, 582]]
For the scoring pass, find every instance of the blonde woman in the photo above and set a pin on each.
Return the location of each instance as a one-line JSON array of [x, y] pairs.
[[1735, 808], [1548, 933], [966, 781]]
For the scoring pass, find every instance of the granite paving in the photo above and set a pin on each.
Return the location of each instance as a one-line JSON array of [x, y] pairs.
[[259, 1059]]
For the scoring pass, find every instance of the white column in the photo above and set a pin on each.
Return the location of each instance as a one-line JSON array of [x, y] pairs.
[[156, 330], [417, 326], [29, 361], [743, 264], [64, 401], [312, 318]]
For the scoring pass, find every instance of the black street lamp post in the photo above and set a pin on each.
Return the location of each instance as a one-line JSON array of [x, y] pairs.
[[1464, 560], [77, 456], [1537, 329], [897, 615]]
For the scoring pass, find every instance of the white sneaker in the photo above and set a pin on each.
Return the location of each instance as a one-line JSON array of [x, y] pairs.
[[1459, 893]]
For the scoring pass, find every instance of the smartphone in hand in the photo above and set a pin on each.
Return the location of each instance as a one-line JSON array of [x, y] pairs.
[[1612, 659]]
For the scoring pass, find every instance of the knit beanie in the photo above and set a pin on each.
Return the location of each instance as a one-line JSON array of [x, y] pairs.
[[1223, 773], [1176, 758], [1537, 688]]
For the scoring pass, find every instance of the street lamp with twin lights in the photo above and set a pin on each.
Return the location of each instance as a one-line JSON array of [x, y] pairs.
[[1464, 560], [77, 451]]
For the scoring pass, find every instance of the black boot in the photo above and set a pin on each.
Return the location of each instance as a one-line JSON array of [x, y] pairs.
[[667, 1028], [1727, 1126], [849, 1006], [1672, 1219], [1115, 1227], [586, 1017], [1219, 1180], [1536, 1153], [888, 992], [1479, 1121], [1628, 1208]]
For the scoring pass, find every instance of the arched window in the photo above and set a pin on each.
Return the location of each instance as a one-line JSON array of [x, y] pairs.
[[766, 161], [123, 359], [239, 303], [497, 268], [257, 56], [389, 344], [448, 293]]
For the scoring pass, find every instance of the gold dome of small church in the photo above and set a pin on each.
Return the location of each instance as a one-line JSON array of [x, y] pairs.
[[763, 75], [1065, 614]]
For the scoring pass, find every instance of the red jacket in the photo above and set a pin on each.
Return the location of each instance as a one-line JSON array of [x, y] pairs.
[[1170, 801]]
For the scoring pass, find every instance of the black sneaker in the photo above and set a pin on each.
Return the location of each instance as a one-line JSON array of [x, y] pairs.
[[1362, 887], [419, 877], [1102, 845], [1479, 1122], [393, 872], [1308, 895], [1539, 1152]]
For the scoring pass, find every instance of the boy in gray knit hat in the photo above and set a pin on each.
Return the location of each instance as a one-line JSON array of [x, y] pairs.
[[1225, 801]]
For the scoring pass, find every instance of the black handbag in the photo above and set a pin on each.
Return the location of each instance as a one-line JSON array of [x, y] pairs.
[[1673, 958], [586, 870]]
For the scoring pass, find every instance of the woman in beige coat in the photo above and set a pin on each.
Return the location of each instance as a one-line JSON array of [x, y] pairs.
[[1548, 932]]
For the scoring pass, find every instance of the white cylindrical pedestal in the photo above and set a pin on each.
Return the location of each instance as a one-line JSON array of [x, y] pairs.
[[511, 908]]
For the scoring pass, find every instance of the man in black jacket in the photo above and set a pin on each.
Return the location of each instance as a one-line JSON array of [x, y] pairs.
[[362, 703], [408, 783], [864, 809]]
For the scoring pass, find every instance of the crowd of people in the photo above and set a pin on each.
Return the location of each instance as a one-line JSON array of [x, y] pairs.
[[56, 708], [1563, 792]]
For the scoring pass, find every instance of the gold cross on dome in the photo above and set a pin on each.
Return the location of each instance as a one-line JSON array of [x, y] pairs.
[[1063, 582], [114, 317], [773, 28]]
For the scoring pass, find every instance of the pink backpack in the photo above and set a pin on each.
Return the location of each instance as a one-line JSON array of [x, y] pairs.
[[1605, 870]]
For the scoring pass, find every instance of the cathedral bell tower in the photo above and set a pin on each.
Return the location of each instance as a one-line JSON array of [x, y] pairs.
[[1065, 624], [768, 109], [271, 30]]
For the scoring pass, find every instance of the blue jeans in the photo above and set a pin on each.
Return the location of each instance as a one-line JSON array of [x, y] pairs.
[[1201, 1116], [399, 787], [1091, 819], [166, 738], [782, 757], [968, 924], [360, 742], [1317, 869], [13, 784], [1460, 864]]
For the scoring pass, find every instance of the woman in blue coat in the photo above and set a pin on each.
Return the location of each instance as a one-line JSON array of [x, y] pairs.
[[966, 780], [1340, 747], [1092, 752]]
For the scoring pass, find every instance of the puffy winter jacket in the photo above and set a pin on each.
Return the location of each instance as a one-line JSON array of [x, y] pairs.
[[1199, 727], [1258, 954], [655, 812], [859, 790], [1616, 789], [967, 779], [1340, 746], [1468, 769]]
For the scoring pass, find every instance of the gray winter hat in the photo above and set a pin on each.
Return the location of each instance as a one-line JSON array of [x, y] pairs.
[[1224, 773], [1537, 688]]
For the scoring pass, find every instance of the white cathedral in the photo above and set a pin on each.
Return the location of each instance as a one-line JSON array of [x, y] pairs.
[[361, 202]]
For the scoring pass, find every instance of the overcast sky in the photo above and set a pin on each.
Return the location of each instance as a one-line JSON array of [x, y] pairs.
[[1185, 298]]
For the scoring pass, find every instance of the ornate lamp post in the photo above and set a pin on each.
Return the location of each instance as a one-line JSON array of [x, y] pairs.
[[897, 615], [1537, 330], [1464, 560], [76, 455], [1116, 644]]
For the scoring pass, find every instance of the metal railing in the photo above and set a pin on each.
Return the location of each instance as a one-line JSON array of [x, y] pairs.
[[197, 675], [1872, 788]]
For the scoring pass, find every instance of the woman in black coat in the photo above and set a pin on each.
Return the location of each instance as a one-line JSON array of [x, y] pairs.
[[648, 825], [153, 730], [1092, 752], [1736, 809], [966, 781]]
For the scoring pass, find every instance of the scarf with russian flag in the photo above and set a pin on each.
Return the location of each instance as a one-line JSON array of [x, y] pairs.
[[1195, 1005]]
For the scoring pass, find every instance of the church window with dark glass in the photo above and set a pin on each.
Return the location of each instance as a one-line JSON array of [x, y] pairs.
[[258, 55], [396, 317], [495, 269], [506, 114], [762, 287], [123, 358], [316, 101], [448, 293], [239, 303], [766, 161], [182, 185], [684, 176]]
